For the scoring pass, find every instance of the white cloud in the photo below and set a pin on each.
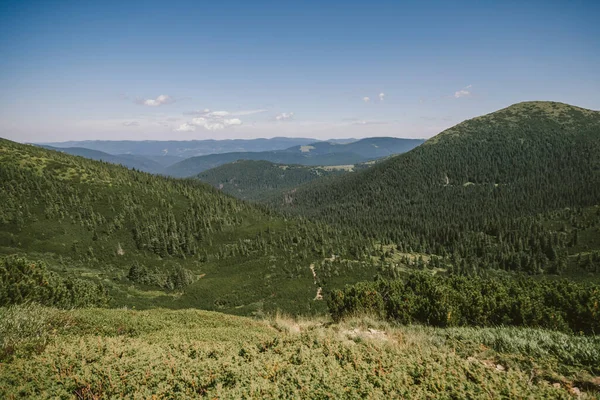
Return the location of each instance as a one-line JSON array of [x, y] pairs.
[[159, 101], [233, 121], [381, 96], [215, 123], [284, 116], [217, 113], [185, 128], [366, 99], [463, 92], [131, 123], [218, 120]]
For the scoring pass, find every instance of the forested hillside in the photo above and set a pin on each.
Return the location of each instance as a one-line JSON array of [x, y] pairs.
[[515, 190], [154, 241], [260, 180]]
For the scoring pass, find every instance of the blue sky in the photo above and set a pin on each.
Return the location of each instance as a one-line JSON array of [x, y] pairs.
[[228, 69]]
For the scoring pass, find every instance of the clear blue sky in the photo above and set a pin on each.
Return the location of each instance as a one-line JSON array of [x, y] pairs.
[[148, 70]]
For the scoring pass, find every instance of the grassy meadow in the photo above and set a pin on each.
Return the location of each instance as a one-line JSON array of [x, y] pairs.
[[165, 354]]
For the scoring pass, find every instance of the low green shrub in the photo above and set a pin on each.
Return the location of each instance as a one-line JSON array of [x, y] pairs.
[[23, 280], [24, 329]]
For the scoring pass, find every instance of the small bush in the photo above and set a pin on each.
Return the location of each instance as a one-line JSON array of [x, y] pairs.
[[24, 329], [177, 278]]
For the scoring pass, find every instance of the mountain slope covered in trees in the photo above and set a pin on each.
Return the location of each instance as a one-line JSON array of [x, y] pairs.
[[154, 241], [260, 180], [517, 190]]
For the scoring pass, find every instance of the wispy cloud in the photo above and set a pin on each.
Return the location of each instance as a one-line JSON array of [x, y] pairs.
[[239, 113], [249, 112], [366, 122], [131, 123], [464, 92], [159, 101], [284, 116]]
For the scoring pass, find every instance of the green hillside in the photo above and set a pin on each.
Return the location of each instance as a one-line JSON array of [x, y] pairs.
[[260, 180], [99, 353], [315, 154], [153, 241], [517, 190]]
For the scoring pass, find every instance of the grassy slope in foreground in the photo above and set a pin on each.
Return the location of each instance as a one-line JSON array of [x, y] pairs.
[[93, 353], [98, 221]]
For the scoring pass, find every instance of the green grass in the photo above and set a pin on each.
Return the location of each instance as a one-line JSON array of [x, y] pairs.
[[99, 353]]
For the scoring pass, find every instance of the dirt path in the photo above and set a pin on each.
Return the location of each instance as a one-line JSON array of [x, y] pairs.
[[319, 295]]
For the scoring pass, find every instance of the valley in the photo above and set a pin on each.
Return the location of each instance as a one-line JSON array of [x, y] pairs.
[[477, 229]]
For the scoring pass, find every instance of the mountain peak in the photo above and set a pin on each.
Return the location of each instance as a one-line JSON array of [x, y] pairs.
[[519, 116]]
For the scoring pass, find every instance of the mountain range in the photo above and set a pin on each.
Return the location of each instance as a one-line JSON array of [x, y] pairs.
[[184, 149], [319, 153]]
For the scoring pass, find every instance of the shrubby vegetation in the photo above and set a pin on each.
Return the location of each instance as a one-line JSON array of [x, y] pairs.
[[24, 281], [189, 354], [472, 301], [177, 278]]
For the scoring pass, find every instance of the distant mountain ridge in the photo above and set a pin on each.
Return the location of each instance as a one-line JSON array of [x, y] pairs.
[[184, 148], [374, 147], [141, 163], [317, 153]]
